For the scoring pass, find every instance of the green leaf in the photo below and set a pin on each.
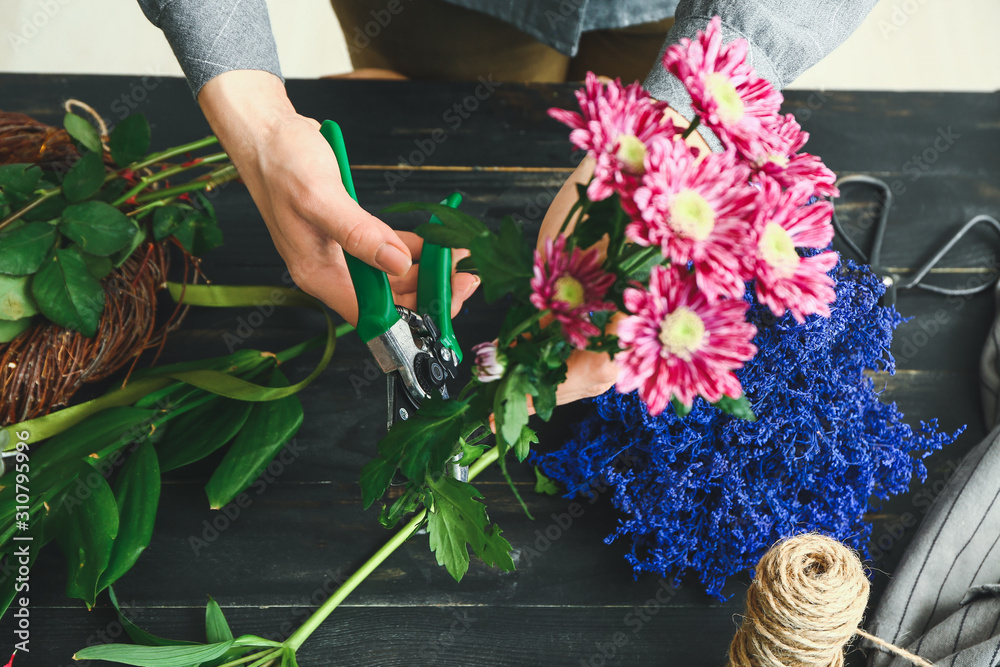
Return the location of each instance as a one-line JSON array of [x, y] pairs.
[[496, 550], [423, 443], [504, 261], [137, 493], [155, 656], [81, 130], [26, 247], [198, 232], [737, 407], [84, 178], [461, 228], [49, 210], [523, 445], [67, 294], [140, 636], [165, 220], [375, 479], [545, 400], [15, 300], [11, 330], [18, 181], [85, 523], [470, 453], [458, 519], [270, 425], [118, 258], [99, 228], [195, 434], [545, 485], [511, 406], [99, 434], [98, 267], [603, 217], [405, 504], [129, 141], [216, 626]]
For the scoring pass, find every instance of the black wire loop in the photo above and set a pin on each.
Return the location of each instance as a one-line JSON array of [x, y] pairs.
[[892, 281]]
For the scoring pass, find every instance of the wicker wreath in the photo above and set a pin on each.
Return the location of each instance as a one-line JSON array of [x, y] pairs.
[[43, 367]]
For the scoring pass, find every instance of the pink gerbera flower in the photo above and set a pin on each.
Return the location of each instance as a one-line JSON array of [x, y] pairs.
[[778, 157], [616, 126], [725, 91], [571, 286], [698, 212], [786, 280], [677, 342]]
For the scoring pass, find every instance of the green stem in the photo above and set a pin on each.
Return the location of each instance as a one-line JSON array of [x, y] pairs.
[[630, 264], [522, 327], [46, 194], [266, 658], [691, 128], [316, 619], [247, 658], [146, 181], [153, 158], [214, 180]]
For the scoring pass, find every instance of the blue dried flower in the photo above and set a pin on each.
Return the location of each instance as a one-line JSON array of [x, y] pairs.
[[710, 493]]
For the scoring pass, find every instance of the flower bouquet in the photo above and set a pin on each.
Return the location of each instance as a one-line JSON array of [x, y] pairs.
[[681, 266]]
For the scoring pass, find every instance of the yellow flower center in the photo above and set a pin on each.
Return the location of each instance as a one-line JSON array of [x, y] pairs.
[[778, 250], [691, 215], [631, 153], [570, 291], [682, 333], [722, 90], [780, 160]]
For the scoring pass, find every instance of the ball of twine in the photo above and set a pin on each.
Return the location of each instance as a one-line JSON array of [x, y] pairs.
[[803, 607]]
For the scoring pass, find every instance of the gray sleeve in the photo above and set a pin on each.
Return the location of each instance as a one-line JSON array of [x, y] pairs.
[[786, 38], [210, 37]]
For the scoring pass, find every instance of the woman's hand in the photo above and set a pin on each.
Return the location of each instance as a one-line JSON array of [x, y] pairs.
[[294, 179]]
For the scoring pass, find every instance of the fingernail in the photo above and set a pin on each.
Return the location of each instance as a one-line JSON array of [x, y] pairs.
[[392, 260], [472, 288]]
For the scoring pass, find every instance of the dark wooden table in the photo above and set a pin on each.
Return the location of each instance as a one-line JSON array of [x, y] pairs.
[[304, 529]]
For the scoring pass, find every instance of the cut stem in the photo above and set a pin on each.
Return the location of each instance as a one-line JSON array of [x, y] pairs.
[[316, 619]]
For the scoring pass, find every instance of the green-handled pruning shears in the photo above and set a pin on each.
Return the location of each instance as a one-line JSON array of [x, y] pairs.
[[417, 350]]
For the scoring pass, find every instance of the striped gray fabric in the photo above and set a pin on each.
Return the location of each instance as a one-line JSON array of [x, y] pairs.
[[943, 601]]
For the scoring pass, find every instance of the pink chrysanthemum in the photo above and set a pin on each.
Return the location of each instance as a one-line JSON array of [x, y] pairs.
[[785, 280], [725, 91], [616, 126], [677, 342], [697, 211], [571, 286], [778, 157]]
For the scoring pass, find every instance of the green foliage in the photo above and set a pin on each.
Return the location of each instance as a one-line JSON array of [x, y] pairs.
[[84, 178], [67, 293], [457, 521], [15, 300], [544, 485], [26, 247], [85, 522], [129, 141], [137, 493], [270, 425], [84, 133], [45, 214], [737, 407], [99, 228]]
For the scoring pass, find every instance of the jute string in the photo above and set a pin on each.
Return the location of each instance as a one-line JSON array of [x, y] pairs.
[[803, 607]]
